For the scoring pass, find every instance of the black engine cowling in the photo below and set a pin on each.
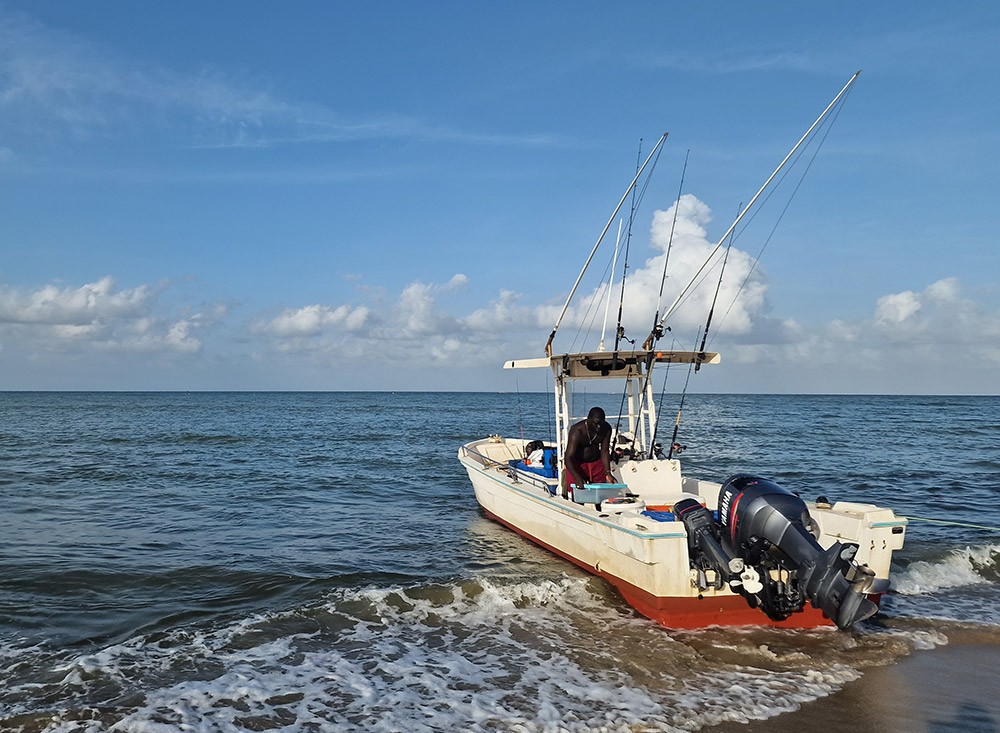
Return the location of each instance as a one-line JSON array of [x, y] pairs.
[[767, 527]]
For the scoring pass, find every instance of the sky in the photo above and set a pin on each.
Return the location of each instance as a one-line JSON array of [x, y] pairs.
[[400, 196]]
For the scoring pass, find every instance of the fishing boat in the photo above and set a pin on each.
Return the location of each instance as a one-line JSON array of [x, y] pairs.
[[683, 551]]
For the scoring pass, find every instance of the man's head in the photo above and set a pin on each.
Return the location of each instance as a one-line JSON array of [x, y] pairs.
[[595, 417]]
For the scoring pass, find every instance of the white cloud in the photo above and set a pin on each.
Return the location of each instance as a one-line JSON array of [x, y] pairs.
[[416, 313], [51, 304], [53, 83], [735, 61], [946, 290], [843, 331], [740, 302], [896, 308], [412, 328], [180, 338], [904, 331], [921, 329], [97, 316], [933, 340], [504, 314], [59, 82], [312, 320], [935, 319], [416, 320]]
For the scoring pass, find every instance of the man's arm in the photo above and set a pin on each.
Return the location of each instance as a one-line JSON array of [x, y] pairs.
[[572, 449], [606, 455]]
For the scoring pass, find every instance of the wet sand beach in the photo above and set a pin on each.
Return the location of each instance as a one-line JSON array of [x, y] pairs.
[[949, 689]]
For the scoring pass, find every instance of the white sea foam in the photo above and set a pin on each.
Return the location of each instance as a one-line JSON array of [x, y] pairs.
[[916, 639], [540, 655], [960, 567]]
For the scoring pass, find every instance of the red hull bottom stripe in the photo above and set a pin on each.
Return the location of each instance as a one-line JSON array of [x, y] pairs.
[[689, 613]]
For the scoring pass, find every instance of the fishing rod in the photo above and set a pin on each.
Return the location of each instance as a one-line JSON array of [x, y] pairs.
[[680, 411], [715, 298], [659, 404], [520, 419], [696, 363], [611, 283], [619, 331], [647, 345], [657, 328], [781, 216], [572, 292]]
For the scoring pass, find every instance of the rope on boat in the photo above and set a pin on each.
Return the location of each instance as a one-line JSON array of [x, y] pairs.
[[953, 524]]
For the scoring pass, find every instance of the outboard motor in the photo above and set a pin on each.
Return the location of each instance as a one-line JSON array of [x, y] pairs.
[[765, 526], [708, 553]]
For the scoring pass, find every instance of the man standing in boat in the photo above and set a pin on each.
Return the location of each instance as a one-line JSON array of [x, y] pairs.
[[588, 452]]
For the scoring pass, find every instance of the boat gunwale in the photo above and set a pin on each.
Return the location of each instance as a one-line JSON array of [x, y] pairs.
[[578, 511]]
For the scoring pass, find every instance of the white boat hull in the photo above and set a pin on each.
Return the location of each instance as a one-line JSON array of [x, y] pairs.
[[646, 560]]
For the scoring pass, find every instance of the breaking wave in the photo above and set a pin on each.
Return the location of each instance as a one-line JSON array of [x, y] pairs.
[[479, 655], [960, 567]]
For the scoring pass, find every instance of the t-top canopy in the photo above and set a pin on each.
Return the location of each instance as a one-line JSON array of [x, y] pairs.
[[601, 364]]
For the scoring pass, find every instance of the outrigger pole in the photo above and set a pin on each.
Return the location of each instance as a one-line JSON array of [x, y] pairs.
[[548, 344], [657, 328], [611, 282]]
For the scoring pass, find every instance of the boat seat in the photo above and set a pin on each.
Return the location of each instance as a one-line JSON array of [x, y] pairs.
[[548, 469]]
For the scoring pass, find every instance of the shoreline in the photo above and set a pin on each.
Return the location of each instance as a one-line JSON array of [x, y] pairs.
[[948, 688]]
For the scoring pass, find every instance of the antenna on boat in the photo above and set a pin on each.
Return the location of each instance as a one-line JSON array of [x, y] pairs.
[[657, 328], [611, 282], [572, 292]]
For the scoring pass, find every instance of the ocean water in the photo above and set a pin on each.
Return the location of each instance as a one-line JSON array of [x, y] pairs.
[[317, 562]]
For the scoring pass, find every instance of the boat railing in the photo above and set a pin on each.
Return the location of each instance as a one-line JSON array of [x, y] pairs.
[[515, 475]]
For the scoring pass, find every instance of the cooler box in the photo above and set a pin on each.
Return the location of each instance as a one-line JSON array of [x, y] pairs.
[[596, 493]]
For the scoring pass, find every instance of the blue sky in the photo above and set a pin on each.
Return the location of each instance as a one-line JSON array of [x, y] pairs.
[[398, 195]]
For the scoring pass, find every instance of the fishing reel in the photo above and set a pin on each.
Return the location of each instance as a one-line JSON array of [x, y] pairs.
[[623, 448]]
